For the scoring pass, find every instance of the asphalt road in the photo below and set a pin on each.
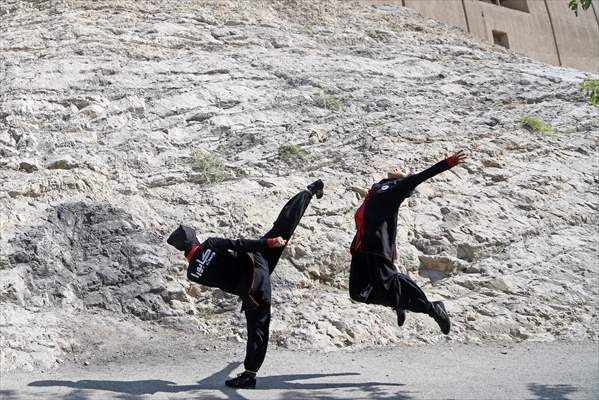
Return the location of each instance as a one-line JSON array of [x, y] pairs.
[[536, 371]]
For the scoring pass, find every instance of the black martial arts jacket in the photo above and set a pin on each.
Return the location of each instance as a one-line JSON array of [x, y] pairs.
[[376, 218], [234, 266]]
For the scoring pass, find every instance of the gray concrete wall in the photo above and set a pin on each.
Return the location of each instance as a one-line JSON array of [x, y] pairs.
[[448, 11], [577, 38], [548, 32], [529, 33]]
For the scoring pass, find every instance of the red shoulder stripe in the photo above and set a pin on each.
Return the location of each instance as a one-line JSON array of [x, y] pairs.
[[191, 253], [359, 219]]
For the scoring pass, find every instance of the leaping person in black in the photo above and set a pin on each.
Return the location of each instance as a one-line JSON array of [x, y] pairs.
[[373, 278], [243, 267]]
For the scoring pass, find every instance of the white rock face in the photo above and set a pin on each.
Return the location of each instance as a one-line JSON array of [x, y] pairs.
[[106, 105]]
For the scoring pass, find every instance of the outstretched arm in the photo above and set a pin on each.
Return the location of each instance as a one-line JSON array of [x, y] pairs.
[[248, 245], [409, 183]]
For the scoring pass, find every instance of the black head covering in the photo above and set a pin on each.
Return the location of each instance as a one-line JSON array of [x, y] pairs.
[[183, 238]]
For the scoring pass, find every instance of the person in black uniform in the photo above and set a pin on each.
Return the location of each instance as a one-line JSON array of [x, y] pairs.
[[243, 267], [373, 278]]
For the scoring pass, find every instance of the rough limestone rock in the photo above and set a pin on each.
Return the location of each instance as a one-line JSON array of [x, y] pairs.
[[121, 119]]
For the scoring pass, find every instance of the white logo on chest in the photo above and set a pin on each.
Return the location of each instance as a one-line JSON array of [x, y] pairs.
[[202, 262], [385, 187]]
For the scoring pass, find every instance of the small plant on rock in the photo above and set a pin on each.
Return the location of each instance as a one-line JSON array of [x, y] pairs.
[[535, 124], [292, 152], [590, 88], [328, 102], [210, 168]]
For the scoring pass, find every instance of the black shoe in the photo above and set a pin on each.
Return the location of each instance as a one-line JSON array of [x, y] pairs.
[[401, 316], [440, 315], [316, 188], [245, 380]]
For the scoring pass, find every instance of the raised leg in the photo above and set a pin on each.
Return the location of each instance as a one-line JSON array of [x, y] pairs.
[[360, 285], [374, 279], [285, 225]]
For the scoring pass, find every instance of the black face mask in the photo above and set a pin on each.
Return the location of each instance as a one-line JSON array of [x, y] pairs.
[[183, 238]]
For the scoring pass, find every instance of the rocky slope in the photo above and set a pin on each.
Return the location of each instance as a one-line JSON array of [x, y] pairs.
[[121, 119]]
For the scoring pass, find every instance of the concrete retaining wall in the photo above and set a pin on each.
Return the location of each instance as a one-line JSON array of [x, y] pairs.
[[548, 32]]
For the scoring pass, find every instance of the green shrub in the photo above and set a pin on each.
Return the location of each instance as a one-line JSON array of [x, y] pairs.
[[590, 87], [292, 152], [573, 4], [535, 124], [210, 168], [328, 102]]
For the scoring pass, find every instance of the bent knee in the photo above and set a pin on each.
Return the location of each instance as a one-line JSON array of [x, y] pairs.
[[358, 294]]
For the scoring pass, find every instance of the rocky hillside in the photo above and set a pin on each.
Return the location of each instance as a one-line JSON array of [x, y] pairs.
[[120, 119]]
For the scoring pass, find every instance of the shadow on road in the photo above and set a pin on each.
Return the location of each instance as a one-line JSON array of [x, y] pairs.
[[551, 392], [149, 386], [8, 394], [289, 385]]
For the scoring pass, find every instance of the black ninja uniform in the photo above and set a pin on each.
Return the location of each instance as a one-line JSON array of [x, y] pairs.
[[243, 267], [373, 277]]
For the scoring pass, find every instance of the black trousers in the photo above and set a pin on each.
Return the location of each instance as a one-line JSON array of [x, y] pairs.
[[285, 225], [374, 279], [258, 320]]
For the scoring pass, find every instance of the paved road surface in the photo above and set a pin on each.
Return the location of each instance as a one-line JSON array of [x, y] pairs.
[[524, 371]]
